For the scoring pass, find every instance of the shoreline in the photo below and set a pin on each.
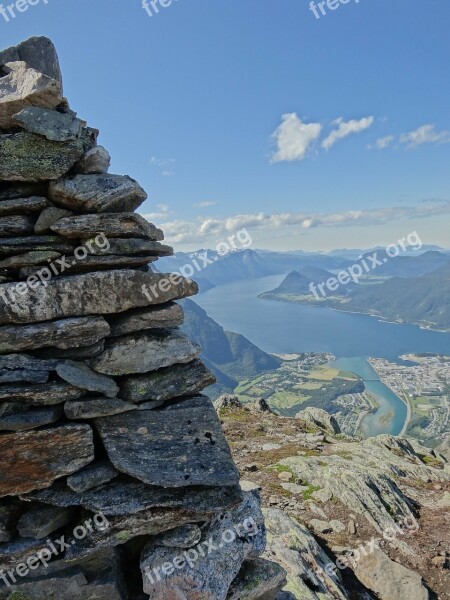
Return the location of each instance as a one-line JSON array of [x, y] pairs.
[[361, 418], [379, 317], [404, 400]]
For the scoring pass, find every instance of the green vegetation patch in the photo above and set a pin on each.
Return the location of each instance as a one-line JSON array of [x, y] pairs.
[[324, 373], [280, 469], [307, 494], [430, 461]]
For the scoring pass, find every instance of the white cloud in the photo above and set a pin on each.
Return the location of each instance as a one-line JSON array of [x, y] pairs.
[[426, 134], [163, 164], [163, 213], [214, 230], [294, 138], [383, 142], [204, 204], [346, 128]]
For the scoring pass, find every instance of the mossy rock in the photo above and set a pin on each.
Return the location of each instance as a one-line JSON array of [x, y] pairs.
[[28, 157]]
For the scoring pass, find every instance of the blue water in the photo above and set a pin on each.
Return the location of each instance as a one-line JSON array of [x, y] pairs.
[[391, 414], [280, 327]]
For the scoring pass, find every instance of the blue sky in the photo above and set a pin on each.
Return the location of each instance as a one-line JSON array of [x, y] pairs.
[[257, 114]]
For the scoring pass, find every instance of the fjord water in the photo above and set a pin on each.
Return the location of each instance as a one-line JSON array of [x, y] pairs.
[[281, 327]]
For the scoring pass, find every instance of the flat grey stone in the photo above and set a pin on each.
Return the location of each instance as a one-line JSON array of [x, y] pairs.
[[113, 225], [91, 294], [16, 190], [140, 353], [96, 407], [129, 527], [49, 217], [30, 157], [249, 486], [122, 498], [182, 445], [16, 368], [80, 375], [46, 394], [12, 408], [53, 125], [16, 225], [186, 536], [40, 521], [35, 459], [270, 447], [131, 246], [22, 86], [294, 488], [210, 576], [258, 579], [31, 419], [66, 333], [389, 579], [321, 526], [19, 245], [96, 161], [73, 353], [167, 316], [18, 550], [23, 206], [338, 526], [323, 496], [92, 476], [164, 384], [23, 376], [97, 193], [29, 259], [95, 263]]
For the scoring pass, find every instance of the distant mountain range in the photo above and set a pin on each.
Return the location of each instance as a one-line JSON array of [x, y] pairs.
[[298, 283], [354, 253], [230, 356], [423, 299], [210, 269], [409, 266], [407, 288], [237, 265]]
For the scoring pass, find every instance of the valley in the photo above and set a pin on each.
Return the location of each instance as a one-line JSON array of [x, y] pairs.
[[297, 353], [308, 380]]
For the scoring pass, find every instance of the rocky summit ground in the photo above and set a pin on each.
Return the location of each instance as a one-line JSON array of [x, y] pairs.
[[346, 518]]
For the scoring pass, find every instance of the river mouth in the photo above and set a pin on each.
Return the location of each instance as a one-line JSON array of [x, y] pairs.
[[390, 417]]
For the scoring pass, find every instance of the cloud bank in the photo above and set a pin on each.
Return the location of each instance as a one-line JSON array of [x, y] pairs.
[[202, 230]]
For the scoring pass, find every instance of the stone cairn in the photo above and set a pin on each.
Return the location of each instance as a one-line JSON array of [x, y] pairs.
[[116, 480]]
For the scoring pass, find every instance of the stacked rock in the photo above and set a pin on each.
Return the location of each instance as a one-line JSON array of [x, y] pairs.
[[116, 480]]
